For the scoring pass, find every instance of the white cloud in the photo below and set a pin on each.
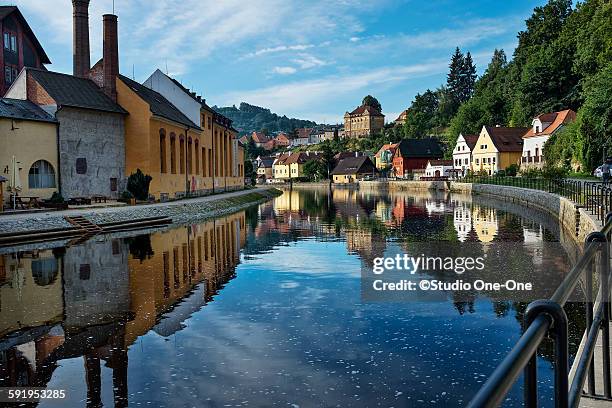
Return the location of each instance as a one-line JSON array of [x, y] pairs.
[[299, 96], [284, 70], [306, 61], [280, 48]]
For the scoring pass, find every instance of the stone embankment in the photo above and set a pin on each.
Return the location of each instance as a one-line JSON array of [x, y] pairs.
[[181, 212]]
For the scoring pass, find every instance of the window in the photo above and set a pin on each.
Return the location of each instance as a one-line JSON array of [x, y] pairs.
[[493, 160], [182, 154], [197, 157], [10, 74], [204, 161], [162, 151], [113, 184], [189, 156], [209, 122], [10, 42], [84, 271], [172, 153], [81, 165], [44, 271], [41, 175]]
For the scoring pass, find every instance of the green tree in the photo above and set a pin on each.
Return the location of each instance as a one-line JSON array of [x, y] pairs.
[[422, 115], [315, 170], [369, 100]]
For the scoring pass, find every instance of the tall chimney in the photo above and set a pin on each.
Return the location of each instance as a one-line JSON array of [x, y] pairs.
[[80, 20], [110, 55]]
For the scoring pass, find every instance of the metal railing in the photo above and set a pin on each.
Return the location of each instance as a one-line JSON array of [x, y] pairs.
[[593, 196], [547, 318]]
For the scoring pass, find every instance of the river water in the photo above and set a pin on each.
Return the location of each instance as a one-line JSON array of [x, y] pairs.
[[264, 308]]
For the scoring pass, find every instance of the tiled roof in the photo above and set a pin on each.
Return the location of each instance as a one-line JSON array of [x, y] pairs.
[[422, 148], [507, 139], [259, 137], [389, 146], [5, 11], [266, 162], [354, 165], [556, 120], [304, 132], [470, 140], [23, 110], [361, 110], [68, 90], [158, 105]]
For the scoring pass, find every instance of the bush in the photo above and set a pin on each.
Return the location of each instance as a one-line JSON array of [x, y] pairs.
[[512, 170], [138, 184], [56, 198], [554, 172], [126, 196], [531, 172]]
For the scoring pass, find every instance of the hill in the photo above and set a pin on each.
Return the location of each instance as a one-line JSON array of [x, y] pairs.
[[250, 118]]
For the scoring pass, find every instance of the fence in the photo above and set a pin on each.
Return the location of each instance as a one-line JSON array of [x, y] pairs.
[[547, 317]]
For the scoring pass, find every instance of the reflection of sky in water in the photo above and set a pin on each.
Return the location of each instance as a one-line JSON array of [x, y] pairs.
[[290, 329]]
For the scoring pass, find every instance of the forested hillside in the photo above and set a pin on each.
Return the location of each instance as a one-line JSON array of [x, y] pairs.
[[249, 118], [563, 60]]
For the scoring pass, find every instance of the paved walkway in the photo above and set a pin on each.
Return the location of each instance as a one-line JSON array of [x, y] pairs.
[[41, 215]]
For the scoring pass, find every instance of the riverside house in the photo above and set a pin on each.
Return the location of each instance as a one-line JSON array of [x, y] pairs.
[[497, 148], [351, 169], [413, 154], [462, 153], [29, 134], [542, 128], [363, 121], [384, 156]]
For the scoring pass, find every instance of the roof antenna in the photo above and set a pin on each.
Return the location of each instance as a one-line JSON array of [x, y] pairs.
[[166, 66], [133, 72]]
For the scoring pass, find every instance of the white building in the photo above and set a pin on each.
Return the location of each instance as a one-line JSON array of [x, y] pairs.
[[439, 168], [188, 103], [462, 153], [542, 127]]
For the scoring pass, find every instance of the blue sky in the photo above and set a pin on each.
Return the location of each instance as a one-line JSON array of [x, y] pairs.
[[310, 59]]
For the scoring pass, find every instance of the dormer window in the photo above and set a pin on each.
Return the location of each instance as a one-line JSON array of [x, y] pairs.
[[537, 129]]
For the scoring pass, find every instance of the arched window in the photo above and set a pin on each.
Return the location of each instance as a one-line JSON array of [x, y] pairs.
[[196, 151], [41, 175], [172, 153], [182, 153], [162, 151], [44, 271], [189, 156]]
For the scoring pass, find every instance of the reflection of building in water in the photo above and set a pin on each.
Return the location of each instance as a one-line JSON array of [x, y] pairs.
[[366, 244], [107, 306], [289, 201], [485, 222], [180, 259], [462, 220], [30, 290], [433, 206], [95, 283]]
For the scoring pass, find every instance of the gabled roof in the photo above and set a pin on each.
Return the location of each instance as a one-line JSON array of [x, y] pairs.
[[266, 162], [389, 146], [354, 165], [507, 139], [6, 11], [158, 105], [556, 120], [420, 148], [304, 132], [363, 108], [441, 162], [189, 93], [21, 109], [75, 92], [259, 137], [296, 158], [470, 140]]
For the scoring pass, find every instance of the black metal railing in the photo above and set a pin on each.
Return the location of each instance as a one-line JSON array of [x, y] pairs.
[[593, 196], [547, 318]]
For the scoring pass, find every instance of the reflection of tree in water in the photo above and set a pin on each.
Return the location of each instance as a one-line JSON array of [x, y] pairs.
[[140, 247]]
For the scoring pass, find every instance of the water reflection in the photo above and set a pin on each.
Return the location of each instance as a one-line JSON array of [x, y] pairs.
[[120, 320]]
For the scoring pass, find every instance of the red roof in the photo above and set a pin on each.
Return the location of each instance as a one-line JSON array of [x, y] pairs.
[[259, 137], [556, 120], [389, 146], [441, 162], [362, 109], [304, 132], [470, 140]]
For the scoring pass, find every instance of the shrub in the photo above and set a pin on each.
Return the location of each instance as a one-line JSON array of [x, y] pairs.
[[138, 184], [126, 196], [512, 170], [554, 172], [56, 198]]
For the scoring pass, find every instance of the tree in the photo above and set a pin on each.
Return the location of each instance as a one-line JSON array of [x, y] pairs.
[[315, 170], [422, 114], [468, 78], [371, 101], [138, 184]]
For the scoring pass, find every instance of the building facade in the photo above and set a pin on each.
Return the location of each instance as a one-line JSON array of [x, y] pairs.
[[363, 122], [462, 153], [497, 148], [20, 47], [413, 154], [29, 134], [352, 169], [542, 128]]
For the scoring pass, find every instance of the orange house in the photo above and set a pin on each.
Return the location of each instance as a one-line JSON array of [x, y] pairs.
[[163, 143]]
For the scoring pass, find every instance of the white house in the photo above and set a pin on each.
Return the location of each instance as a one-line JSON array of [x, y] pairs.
[[542, 128], [462, 220], [188, 103], [462, 153], [439, 168]]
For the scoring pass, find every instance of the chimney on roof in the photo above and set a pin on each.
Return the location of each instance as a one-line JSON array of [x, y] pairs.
[[80, 38], [110, 55]]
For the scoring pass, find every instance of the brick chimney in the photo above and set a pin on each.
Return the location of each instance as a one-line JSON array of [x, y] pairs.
[[80, 19], [110, 55]]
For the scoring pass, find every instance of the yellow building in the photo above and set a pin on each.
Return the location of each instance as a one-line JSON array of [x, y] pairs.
[[291, 166], [497, 148], [30, 134], [485, 223], [163, 143], [363, 121]]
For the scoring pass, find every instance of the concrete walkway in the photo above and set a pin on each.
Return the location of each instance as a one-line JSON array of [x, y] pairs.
[[41, 215]]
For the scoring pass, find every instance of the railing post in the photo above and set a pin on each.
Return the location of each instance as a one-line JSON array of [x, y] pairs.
[[604, 273], [559, 331]]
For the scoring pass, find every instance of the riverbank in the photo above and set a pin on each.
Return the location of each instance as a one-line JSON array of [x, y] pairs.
[[183, 211]]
